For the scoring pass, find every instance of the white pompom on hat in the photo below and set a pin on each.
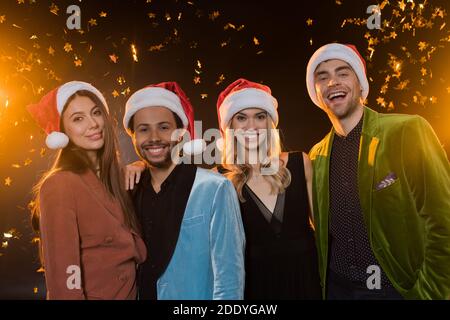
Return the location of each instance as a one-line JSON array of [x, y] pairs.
[[47, 113], [345, 52]]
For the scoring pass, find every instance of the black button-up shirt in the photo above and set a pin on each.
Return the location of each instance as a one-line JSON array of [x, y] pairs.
[[154, 222], [350, 251]]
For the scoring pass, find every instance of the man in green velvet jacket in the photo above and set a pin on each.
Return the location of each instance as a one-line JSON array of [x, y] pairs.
[[401, 185]]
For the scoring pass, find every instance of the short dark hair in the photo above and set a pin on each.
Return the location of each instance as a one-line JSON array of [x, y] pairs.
[[178, 122]]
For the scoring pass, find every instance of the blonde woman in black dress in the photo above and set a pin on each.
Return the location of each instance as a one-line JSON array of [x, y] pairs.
[[275, 196]]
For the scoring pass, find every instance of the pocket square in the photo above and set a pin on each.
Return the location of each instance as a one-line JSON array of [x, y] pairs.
[[386, 182]]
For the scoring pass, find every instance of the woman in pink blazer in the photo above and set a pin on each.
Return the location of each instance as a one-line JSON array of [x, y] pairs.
[[90, 243]]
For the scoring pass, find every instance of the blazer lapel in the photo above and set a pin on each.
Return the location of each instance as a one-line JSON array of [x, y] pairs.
[[100, 194], [367, 156], [182, 186], [321, 186]]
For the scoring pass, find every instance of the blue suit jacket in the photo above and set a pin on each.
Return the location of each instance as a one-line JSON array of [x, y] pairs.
[[208, 260]]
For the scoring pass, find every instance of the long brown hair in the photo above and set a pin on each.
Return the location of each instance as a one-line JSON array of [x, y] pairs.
[[74, 159]]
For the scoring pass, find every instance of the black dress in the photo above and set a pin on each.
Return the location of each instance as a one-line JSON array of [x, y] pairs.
[[281, 256]]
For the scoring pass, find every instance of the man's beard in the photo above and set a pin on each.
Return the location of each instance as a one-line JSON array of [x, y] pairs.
[[161, 164], [349, 110]]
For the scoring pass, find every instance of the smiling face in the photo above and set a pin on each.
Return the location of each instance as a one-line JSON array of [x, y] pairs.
[[338, 88], [153, 128], [250, 127], [84, 123]]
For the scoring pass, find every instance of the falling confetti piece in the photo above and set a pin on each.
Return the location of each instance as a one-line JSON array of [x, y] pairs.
[[113, 57], [35, 290], [255, 41], [214, 15], [8, 181], [156, 47], [102, 14], [221, 79], [2, 18], [67, 47], [78, 62], [134, 53], [204, 95], [197, 80], [121, 80], [92, 22], [54, 9], [126, 92], [422, 45], [115, 93], [309, 22], [51, 51]]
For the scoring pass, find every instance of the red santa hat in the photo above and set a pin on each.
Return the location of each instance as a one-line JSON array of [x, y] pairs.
[[345, 52], [48, 111], [243, 94], [171, 96]]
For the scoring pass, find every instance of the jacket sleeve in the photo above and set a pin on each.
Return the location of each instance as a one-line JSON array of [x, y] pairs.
[[60, 239], [429, 179], [227, 245]]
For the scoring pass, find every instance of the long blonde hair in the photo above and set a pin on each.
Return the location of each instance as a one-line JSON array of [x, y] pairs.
[[239, 174]]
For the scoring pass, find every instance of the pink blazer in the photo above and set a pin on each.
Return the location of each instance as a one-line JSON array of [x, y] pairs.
[[88, 251]]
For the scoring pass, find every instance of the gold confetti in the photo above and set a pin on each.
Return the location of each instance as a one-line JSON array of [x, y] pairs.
[[151, 15], [214, 15], [54, 9], [229, 25], [16, 166], [102, 14], [8, 181], [402, 5], [221, 79], [92, 22], [423, 71], [126, 92], [67, 47], [156, 47], [43, 152], [255, 41], [27, 162], [20, 1], [197, 80], [115, 93], [168, 17], [134, 53], [2, 18], [433, 99], [204, 95], [121, 80], [35, 290], [113, 57], [78, 62], [51, 51], [381, 102], [422, 45], [309, 22]]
